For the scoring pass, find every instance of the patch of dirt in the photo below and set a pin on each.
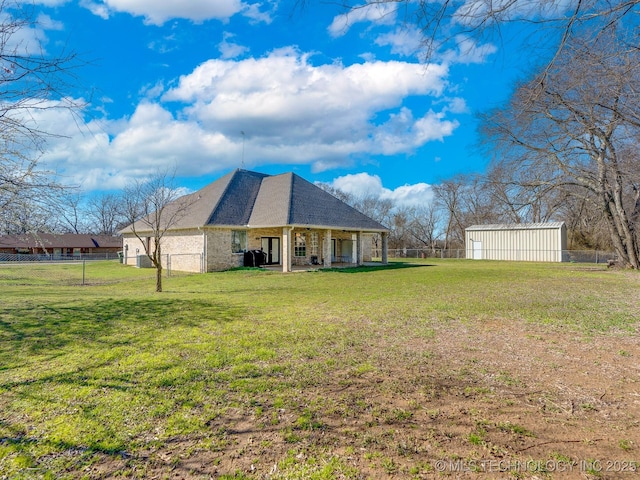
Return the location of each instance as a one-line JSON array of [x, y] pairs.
[[490, 400]]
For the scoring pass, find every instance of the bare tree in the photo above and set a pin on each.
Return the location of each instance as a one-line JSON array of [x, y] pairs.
[[105, 213], [26, 192], [424, 225], [31, 80], [520, 197], [586, 227], [152, 207], [71, 214], [575, 127], [399, 226], [449, 198], [26, 217]]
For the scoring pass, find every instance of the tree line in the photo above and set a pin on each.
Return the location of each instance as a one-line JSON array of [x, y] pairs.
[[457, 203], [480, 199]]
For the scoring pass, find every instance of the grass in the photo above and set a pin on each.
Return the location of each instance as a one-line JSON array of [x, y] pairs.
[[114, 371]]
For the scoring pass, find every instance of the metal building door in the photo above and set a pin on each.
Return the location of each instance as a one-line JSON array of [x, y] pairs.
[[477, 250]]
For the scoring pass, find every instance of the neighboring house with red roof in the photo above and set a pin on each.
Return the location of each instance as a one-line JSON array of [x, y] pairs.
[[292, 221], [60, 245]]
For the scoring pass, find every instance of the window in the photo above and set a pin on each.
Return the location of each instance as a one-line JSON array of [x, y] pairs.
[[238, 241], [300, 245], [313, 243]]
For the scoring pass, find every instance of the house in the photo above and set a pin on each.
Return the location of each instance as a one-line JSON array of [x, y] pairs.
[[533, 242], [290, 220], [62, 245]]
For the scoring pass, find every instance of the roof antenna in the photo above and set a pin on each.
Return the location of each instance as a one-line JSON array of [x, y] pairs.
[[242, 164]]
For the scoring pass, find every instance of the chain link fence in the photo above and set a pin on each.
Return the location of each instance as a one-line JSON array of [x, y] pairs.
[[35, 272], [57, 257], [575, 256], [42, 270]]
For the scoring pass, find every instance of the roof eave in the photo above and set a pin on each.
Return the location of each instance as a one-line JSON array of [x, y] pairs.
[[323, 227]]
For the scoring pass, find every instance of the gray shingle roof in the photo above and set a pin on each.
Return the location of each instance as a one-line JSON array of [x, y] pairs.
[[250, 199], [273, 202], [59, 240]]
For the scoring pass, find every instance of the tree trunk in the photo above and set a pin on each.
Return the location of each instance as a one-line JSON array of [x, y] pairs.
[[158, 263], [159, 278]]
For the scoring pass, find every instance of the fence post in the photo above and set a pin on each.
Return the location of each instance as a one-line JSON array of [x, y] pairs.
[[84, 262]]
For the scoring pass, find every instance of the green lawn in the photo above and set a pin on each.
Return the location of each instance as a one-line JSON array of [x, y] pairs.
[[95, 380]]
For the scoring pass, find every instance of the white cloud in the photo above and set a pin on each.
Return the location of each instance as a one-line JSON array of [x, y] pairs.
[[403, 41], [157, 12], [359, 185], [376, 13], [106, 154], [255, 15], [99, 9], [152, 91], [229, 49], [291, 111], [364, 185], [457, 105], [468, 51], [283, 99], [402, 133], [47, 23]]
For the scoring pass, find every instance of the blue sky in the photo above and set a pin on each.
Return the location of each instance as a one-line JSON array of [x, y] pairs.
[[206, 86]]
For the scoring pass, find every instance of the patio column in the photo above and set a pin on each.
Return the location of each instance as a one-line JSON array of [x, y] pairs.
[[359, 249], [326, 248], [286, 249], [385, 247]]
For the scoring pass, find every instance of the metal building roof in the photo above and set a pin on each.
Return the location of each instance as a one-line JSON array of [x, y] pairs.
[[517, 226]]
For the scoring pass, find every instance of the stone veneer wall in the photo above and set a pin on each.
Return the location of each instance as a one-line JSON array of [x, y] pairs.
[[186, 248], [367, 247], [255, 236], [219, 255]]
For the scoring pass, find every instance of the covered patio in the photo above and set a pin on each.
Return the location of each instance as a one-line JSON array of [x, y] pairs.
[[311, 247]]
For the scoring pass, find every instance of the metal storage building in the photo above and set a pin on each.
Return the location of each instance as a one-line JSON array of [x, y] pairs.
[[530, 242]]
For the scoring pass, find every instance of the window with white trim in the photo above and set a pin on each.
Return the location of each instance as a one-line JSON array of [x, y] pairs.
[[313, 243], [300, 245]]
